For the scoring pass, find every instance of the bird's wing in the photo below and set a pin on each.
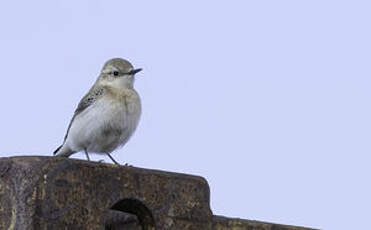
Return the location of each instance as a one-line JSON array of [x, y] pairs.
[[92, 96], [95, 93]]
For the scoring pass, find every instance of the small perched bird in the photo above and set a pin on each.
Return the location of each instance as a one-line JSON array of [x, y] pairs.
[[107, 115]]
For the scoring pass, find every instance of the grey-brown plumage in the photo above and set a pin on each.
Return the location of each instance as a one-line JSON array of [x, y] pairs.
[[107, 115]]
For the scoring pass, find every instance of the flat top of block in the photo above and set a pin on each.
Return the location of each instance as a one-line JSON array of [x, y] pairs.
[[32, 161]]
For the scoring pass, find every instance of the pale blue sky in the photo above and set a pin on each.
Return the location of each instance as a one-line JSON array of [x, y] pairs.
[[268, 100]]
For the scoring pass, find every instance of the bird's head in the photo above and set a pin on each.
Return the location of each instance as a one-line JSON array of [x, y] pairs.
[[118, 73]]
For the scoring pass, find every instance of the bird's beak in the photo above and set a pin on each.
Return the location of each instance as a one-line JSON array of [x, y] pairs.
[[134, 71]]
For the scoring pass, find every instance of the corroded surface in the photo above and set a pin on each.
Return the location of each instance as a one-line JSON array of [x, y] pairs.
[[224, 223], [58, 193]]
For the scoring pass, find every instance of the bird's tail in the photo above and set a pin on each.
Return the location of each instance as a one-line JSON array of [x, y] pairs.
[[63, 151]]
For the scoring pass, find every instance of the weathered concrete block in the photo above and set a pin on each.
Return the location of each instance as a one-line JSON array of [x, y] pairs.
[[57, 193]]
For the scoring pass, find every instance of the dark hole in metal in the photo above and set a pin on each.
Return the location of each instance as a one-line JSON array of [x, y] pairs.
[[129, 214], [117, 220]]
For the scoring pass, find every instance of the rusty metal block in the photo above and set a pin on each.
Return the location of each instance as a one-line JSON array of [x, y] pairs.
[[38, 193]]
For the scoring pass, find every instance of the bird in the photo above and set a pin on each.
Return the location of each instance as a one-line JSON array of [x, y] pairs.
[[107, 116]]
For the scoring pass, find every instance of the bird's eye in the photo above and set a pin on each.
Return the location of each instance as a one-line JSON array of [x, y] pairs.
[[116, 73]]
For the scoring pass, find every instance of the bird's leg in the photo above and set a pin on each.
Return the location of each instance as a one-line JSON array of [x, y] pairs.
[[112, 159], [87, 154]]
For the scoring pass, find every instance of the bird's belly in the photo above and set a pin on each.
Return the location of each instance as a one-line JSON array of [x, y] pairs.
[[103, 127]]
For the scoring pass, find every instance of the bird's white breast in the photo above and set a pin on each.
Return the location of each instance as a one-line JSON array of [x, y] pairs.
[[106, 124]]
